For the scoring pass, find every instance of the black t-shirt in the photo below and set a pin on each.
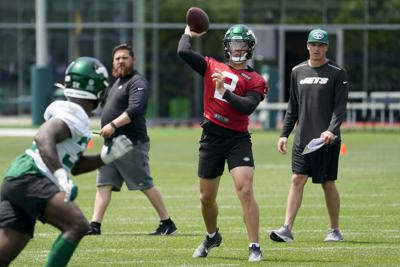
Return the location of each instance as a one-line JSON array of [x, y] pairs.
[[318, 99], [128, 94]]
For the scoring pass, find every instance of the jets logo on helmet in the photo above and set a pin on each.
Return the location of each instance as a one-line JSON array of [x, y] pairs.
[[102, 70], [86, 78], [239, 37]]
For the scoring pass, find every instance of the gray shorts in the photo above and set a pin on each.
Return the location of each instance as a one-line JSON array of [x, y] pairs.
[[133, 169]]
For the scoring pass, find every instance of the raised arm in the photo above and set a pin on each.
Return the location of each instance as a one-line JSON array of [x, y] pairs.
[[195, 60]]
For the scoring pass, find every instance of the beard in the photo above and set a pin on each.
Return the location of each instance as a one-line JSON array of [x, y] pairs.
[[122, 71]]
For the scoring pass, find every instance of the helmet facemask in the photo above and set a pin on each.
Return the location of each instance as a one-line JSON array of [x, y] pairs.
[[237, 50], [239, 38]]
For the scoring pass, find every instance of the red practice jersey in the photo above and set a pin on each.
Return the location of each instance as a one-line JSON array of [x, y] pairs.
[[239, 82]]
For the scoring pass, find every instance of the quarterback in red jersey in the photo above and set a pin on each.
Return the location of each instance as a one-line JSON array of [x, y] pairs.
[[232, 91], [237, 81]]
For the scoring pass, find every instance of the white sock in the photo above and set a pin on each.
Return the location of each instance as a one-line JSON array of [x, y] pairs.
[[251, 244], [211, 235]]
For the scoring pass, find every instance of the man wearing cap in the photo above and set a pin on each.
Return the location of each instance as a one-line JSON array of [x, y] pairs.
[[317, 104]]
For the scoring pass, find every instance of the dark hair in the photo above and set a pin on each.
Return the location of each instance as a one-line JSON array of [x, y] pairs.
[[123, 47]]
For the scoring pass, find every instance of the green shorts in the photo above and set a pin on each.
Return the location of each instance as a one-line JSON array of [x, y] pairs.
[[133, 169]]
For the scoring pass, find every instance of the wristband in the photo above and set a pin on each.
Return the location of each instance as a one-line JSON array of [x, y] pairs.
[[113, 125]]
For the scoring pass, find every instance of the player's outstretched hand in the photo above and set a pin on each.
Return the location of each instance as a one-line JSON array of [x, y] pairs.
[[117, 148], [66, 185]]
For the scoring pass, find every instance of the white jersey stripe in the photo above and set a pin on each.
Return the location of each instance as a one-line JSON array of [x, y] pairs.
[[335, 67]]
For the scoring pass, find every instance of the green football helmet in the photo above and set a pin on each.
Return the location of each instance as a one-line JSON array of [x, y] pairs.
[[239, 33], [85, 78]]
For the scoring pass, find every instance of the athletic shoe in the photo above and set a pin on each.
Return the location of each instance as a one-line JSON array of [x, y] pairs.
[[165, 229], [283, 234], [204, 248], [94, 229], [334, 235], [255, 253]]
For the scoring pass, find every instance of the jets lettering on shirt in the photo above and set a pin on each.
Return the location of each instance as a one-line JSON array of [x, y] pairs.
[[314, 80]]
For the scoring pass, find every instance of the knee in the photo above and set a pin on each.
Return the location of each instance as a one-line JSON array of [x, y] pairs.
[[299, 180], [245, 193], [207, 199], [329, 186], [83, 227], [80, 227]]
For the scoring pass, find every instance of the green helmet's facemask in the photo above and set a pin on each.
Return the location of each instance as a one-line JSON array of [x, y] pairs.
[[240, 38], [237, 46], [85, 78]]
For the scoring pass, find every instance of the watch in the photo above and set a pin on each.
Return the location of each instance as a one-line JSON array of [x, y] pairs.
[[113, 125]]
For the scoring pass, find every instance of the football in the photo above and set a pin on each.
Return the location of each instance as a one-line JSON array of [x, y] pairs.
[[197, 19]]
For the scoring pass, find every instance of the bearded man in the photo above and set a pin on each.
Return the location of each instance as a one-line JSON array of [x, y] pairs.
[[124, 114]]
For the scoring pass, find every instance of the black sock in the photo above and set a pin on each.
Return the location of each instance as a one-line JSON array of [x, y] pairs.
[[167, 221], [95, 224]]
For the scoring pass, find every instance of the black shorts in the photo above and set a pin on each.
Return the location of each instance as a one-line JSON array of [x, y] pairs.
[[214, 150], [321, 165], [23, 201]]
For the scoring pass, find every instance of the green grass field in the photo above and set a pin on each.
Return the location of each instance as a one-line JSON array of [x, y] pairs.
[[370, 209]]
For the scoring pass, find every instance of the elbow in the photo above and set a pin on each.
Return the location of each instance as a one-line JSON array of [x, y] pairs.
[[44, 144], [40, 139], [181, 53], [250, 109], [74, 172]]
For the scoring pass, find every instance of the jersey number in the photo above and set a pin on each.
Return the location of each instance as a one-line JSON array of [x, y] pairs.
[[67, 157], [231, 86]]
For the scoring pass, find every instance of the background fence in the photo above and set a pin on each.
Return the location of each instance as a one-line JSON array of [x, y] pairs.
[[364, 38]]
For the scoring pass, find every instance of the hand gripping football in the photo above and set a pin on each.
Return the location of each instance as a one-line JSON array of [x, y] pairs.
[[197, 19]]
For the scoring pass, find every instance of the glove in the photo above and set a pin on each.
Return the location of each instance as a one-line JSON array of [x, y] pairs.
[[115, 149], [66, 185]]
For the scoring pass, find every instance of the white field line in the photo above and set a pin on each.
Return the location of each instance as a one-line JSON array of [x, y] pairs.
[[304, 206], [264, 248], [17, 132], [155, 262], [202, 265], [241, 230], [160, 262], [226, 195]]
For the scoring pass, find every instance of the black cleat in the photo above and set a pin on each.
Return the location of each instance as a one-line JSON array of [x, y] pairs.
[[165, 229], [208, 243], [94, 229]]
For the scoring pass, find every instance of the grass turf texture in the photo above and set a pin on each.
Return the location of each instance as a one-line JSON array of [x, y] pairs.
[[368, 183]]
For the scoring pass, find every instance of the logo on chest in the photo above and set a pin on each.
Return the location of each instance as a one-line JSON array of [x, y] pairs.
[[314, 80], [247, 77]]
